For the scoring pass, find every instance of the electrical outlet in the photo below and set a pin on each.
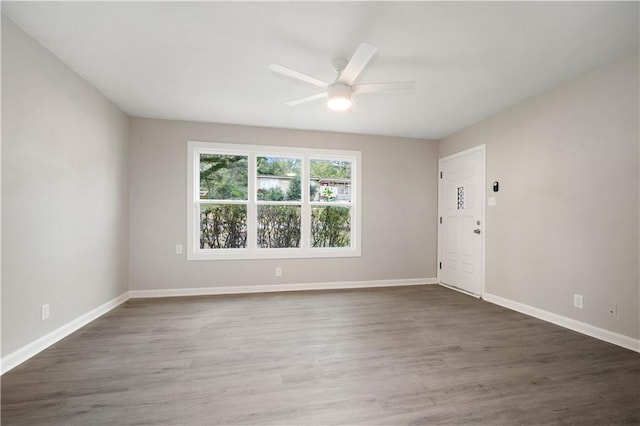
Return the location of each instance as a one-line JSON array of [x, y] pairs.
[[613, 310], [178, 248], [578, 301], [44, 312], [278, 271]]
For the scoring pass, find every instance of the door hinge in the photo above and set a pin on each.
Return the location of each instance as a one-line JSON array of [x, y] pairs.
[[440, 265], [440, 220], [440, 175]]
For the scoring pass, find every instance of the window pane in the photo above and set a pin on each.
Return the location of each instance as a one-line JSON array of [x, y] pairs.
[[330, 180], [223, 177], [278, 226], [330, 226], [278, 179], [223, 226]]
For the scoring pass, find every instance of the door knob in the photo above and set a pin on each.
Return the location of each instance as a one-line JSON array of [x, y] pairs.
[[477, 231]]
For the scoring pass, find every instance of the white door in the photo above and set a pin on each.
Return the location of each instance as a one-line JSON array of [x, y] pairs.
[[461, 230]]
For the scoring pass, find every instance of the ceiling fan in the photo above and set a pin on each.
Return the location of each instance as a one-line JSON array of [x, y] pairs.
[[339, 93]]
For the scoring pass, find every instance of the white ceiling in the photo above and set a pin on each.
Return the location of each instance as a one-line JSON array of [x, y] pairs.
[[207, 61]]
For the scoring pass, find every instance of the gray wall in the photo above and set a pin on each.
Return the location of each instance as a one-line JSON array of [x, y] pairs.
[[64, 192], [399, 208], [81, 225], [566, 219]]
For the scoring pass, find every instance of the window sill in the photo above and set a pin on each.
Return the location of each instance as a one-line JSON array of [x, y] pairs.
[[246, 254]]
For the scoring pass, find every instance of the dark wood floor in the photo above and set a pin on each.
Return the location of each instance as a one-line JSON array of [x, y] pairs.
[[393, 356]]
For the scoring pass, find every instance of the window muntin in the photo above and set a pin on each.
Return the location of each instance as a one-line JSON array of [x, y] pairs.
[[223, 201], [330, 199], [279, 201], [248, 202]]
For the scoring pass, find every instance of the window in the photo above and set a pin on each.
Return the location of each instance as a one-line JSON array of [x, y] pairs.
[[261, 202]]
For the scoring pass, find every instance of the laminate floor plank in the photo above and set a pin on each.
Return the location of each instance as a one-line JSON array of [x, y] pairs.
[[387, 356]]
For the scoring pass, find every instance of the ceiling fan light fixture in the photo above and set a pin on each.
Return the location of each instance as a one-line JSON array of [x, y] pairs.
[[339, 103], [339, 97]]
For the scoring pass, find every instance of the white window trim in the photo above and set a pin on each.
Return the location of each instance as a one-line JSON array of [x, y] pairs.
[[194, 149]]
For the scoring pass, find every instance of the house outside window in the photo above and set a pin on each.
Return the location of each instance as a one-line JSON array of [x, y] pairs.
[[260, 202]]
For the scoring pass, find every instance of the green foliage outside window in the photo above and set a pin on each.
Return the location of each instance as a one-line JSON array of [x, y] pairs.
[[330, 169], [225, 177], [223, 226], [295, 190], [278, 226], [284, 170], [271, 194], [330, 226]]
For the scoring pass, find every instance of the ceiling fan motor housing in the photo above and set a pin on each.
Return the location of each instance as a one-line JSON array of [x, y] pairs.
[[339, 96], [339, 90]]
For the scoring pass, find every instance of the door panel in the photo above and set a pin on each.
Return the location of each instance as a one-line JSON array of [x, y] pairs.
[[461, 207]]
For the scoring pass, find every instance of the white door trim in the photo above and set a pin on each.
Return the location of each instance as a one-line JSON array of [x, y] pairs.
[[483, 211]]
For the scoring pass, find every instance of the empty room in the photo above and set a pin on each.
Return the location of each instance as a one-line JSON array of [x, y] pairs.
[[319, 213]]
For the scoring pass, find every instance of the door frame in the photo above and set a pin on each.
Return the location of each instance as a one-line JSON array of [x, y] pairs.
[[483, 215]]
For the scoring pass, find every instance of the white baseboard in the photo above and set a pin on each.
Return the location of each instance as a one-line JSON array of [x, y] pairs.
[[204, 291], [19, 356], [579, 326]]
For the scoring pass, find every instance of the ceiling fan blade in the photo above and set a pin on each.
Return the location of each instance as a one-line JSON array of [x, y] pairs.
[[358, 61], [383, 87], [298, 75], [307, 99]]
